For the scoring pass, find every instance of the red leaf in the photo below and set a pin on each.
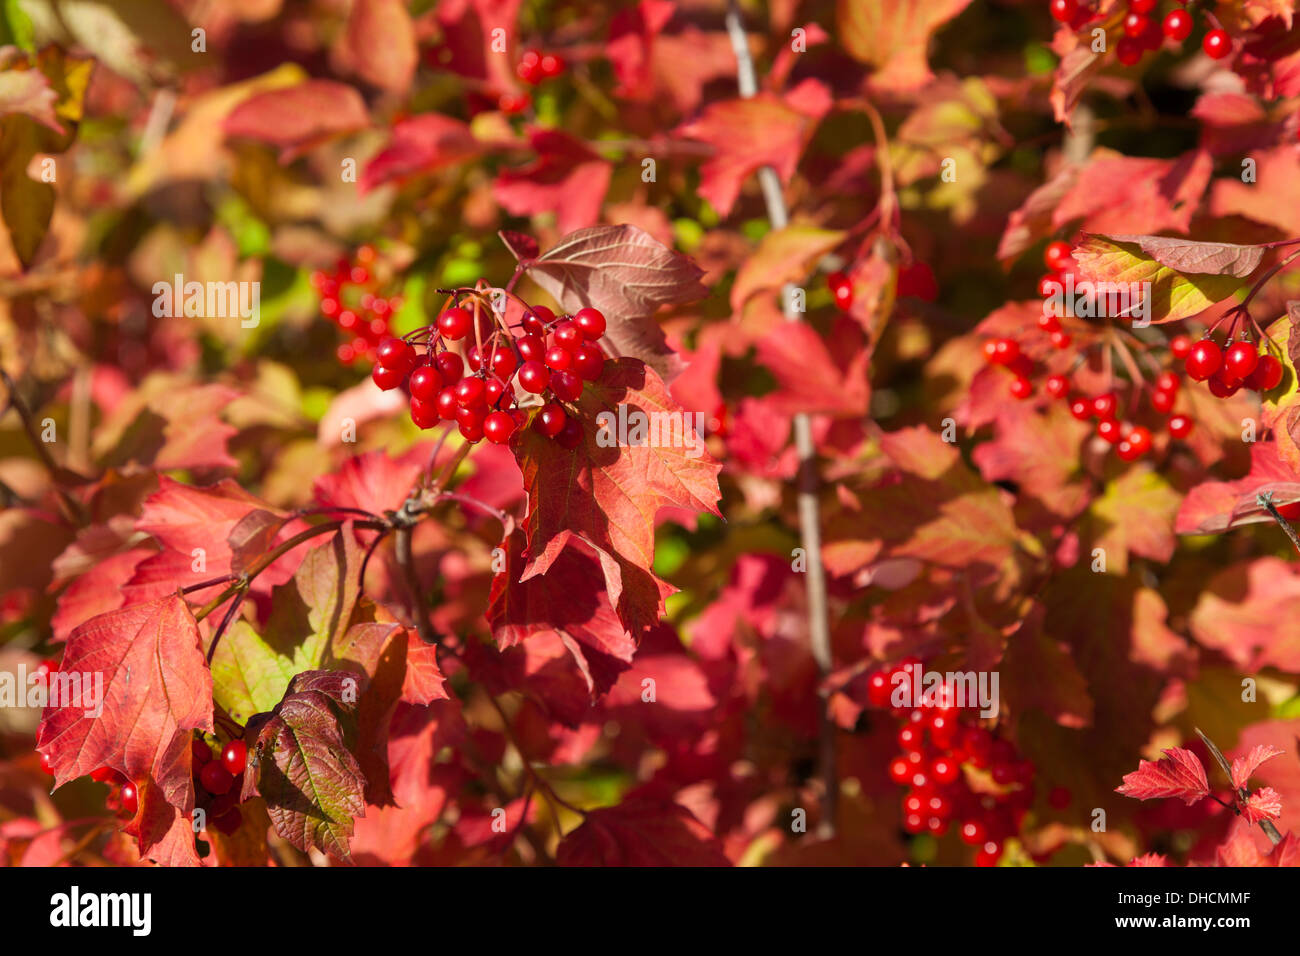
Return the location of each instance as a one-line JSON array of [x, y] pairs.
[[566, 178], [1239, 610], [421, 144], [379, 44], [641, 832], [156, 689], [627, 274], [1263, 804], [300, 117], [424, 682], [1212, 507], [746, 134], [892, 36], [1177, 774], [631, 42], [1244, 767]]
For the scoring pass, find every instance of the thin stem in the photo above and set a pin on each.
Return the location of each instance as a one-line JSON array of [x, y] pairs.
[[1265, 500], [1242, 794], [808, 505], [406, 564]]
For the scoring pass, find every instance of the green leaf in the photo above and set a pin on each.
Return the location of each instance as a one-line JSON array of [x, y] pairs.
[[1174, 295], [16, 27]]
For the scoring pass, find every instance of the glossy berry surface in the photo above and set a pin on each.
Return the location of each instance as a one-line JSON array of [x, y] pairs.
[[234, 756]]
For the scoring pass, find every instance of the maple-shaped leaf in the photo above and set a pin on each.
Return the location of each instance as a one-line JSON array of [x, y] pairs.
[[1244, 767], [746, 134], [304, 766], [641, 832], [374, 481], [1177, 774], [892, 37], [1114, 193], [147, 662], [628, 275], [562, 603], [298, 118], [1173, 295], [608, 494], [1263, 804], [1135, 516]]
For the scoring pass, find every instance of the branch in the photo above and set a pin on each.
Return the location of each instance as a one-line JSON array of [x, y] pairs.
[[1265, 500], [809, 508], [1243, 794]]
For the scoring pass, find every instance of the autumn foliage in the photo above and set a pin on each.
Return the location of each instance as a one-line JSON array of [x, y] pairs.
[[329, 334]]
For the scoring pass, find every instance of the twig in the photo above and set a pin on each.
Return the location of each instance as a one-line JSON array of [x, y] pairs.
[[1242, 794], [809, 508], [406, 563], [1265, 500]]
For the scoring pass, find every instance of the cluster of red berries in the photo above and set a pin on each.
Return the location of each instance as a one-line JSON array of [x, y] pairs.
[[553, 358], [956, 772], [219, 782], [1226, 370], [348, 298], [1144, 30], [535, 66]]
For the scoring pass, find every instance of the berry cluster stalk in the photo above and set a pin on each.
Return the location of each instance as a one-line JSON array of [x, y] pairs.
[[809, 509]]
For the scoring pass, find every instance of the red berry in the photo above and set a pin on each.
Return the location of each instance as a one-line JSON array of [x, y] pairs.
[[558, 359], [988, 854], [591, 322], [492, 392], [1008, 350], [1180, 426], [973, 832], [1061, 340], [1217, 44], [533, 377], [910, 738], [450, 367], [944, 770], [1103, 406], [1063, 11], [512, 103], [1167, 382], [103, 775], [1057, 386], [1267, 374], [842, 289], [551, 65], [469, 392], [395, 354], [1177, 25], [474, 358], [566, 385], [1128, 51], [1240, 360], [425, 383], [990, 350], [568, 336], [215, 778], [532, 348], [1181, 346], [229, 821], [387, 378], [130, 799], [47, 764], [471, 431], [1203, 360], [424, 414], [498, 427], [1081, 409], [1221, 386], [504, 362], [900, 771], [570, 435], [1141, 6], [455, 323], [588, 362], [1134, 24], [234, 756], [529, 68], [550, 420], [1048, 322], [1021, 387], [446, 404], [1048, 286], [1163, 402], [1140, 440], [1109, 429]]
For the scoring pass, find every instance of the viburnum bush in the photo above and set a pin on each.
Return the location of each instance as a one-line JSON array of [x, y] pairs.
[[658, 432]]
